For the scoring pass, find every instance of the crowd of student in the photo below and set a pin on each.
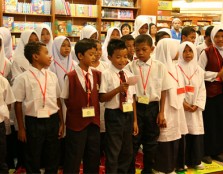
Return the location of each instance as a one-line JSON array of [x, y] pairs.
[[152, 90]]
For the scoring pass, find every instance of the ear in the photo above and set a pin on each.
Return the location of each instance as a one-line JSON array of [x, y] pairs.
[[35, 56], [152, 48], [109, 57], [79, 56], [183, 38]]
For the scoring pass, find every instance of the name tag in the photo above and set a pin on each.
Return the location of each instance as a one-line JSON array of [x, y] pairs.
[[180, 91], [127, 107], [88, 112], [43, 113], [218, 79], [189, 89], [143, 100]]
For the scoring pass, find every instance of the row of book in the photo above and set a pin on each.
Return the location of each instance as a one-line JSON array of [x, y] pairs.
[[35, 7], [165, 18], [105, 25], [117, 13], [118, 3]]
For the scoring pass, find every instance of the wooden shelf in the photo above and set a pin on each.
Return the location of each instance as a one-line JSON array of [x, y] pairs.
[[27, 14], [116, 19], [127, 8], [67, 16]]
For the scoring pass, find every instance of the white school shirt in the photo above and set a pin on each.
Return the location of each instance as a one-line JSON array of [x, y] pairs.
[[6, 68], [158, 80], [110, 80], [201, 48], [27, 90], [81, 77], [6, 98]]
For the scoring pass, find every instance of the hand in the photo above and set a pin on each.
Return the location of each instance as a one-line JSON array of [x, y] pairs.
[[123, 87], [135, 128], [194, 108], [161, 120], [187, 107], [22, 135], [220, 74], [61, 131]]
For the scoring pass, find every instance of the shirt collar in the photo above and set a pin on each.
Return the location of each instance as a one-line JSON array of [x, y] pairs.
[[141, 63], [80, 70], [113, 68], [37, 71]]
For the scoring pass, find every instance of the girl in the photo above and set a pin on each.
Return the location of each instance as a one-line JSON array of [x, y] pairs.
[[20, 63], [89, 32], [125, 29], [45, 35], [6, 34], [152, 31], [169, 138], [194, 103], [141, 26], [112, 33]]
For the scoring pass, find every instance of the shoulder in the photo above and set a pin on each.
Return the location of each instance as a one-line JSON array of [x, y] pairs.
[[128, 73], [3, 82]]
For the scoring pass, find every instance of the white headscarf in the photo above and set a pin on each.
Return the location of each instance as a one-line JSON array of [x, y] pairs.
[[66, 62], [214, 32], [139, 22], [3, 59], [188, 67], [39, 29], [7, 38], [19, 56], [176, 19], [104, 56], [87, 32], [167, 30]]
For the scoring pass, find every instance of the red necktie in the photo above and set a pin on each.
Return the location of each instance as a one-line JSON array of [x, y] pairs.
[[88, 83], [122, 94]]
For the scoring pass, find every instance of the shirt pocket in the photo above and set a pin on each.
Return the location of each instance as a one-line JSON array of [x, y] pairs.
[[156, 85]]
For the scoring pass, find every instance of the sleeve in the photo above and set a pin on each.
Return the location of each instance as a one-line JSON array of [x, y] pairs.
[[65, 91], [104, 84], [9, 97], [18, 89], [16, 70], [58, 90], [209, 75], [166, 81]]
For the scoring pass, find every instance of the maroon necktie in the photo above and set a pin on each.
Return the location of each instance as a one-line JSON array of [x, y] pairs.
[[88, 83], [122, 94]]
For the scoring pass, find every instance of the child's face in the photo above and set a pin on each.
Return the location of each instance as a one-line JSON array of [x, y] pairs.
[[130, 47], [153, 30], [218, 39], [119, 58], [115, 34], [45, 36], [88, 58], [143, 51], [33, 38], [208, 41], [43, 58], [65, 48], [191, 37], [94, 36], [144, 29], [98, 52], [188, 54], [125, 30]]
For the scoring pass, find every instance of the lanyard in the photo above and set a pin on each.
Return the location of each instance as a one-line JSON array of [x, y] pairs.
[[88, 88], [176, 79], [3, 71], [42, 91], [189, 78], [219, 62], [62, 67], [147, 77]]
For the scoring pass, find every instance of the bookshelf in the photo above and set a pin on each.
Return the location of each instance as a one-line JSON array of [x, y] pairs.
[[196, 21]]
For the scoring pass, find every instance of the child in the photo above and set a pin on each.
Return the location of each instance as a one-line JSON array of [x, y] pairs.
[[5, 64], [141, 26], [89, 32], [150, 90], [194, 103], [160, 35], [169, 138], [6, 34], [152, 31], [188, 34], [125, 29], [20, 63], [112, 33], [130, 45], [211, 61], [39, 90], [120, 110], [81, 87], [45, 35], [207, 41], [6, 98]]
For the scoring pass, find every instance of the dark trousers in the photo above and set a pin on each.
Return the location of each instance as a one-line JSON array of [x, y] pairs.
[[84, 144], [42, 136], [181, 158], [3, 165], [166, 156], [194, 149], [118, 138], [148, 135]]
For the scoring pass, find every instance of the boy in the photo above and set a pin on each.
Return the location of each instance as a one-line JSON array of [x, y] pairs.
[[188, 34], [150, 91], [6, 98], [119, 110], [80, 92], [129, 43], [38, 89]]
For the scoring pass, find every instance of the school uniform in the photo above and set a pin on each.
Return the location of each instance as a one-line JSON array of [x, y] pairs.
[[41, 129], [210, 60], [6, 98], [158, 81], [82, 139], [193, 76], [175, 35], [7, 38], [169, 138], [118, 124], [201, 48], [139, 22]]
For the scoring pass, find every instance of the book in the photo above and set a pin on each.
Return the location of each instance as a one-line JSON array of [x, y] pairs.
[[62, 28], [76, 30], [11, 6], [60, 7], [37, 6], [82, 10], [8, 22]]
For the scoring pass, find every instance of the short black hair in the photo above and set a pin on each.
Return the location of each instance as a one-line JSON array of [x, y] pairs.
[[208, 30], [126, 25], [83, 45], [115, 44], [32, 48], [127, 37], [144, 38], [150, 25], [159, 35], [187, 31]]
